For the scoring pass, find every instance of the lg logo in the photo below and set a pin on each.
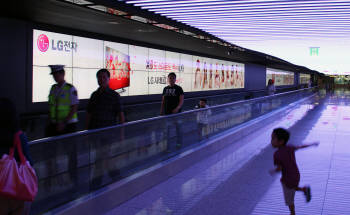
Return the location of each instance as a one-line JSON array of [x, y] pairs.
[[60, 45], [43, 43]]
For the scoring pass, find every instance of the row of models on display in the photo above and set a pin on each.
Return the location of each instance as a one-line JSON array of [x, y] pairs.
[[209, 80]]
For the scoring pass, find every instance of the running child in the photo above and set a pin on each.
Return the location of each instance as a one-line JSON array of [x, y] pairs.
[[284, 160]]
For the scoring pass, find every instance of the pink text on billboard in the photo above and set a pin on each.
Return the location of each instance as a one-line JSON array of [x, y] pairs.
[[156, 65]]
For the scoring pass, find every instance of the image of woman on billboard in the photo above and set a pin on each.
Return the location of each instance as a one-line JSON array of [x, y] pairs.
[[232, 79], [227, 82], [205, 76], [222, 76], [217, 76], [197, 78], [211, 76]]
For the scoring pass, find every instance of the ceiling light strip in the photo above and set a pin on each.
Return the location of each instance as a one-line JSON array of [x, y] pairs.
[[297, 31], [240, 7], [274, 28], [257, 10], [173, 4], [264, 26], [264, 18], [279, 33], [334, 13]]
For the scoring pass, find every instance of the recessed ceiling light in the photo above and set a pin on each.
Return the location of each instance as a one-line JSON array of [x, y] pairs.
[[113, 23], [145, 30]]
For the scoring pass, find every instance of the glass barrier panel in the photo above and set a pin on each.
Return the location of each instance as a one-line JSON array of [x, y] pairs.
[[73, 165]]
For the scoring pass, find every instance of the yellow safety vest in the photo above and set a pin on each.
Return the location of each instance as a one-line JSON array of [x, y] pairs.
[[60, 103]]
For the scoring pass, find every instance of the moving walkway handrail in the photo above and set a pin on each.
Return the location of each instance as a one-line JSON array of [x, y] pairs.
[[86, 132]]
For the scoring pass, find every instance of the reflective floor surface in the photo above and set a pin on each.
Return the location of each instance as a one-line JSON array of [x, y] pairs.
[[228, 182]]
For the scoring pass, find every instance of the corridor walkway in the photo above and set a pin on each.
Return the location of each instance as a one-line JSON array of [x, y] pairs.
[[236, 180]]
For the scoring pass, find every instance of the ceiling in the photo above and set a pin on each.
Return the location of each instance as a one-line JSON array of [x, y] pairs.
[[311, 33], [93, 19], [71, 18]]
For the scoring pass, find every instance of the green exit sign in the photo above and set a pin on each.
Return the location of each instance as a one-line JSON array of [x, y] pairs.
[[314, 51]]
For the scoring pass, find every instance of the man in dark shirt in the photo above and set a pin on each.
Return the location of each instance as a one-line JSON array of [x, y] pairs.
[[104, 105], [172, 101], [173, 97], [103, 109]]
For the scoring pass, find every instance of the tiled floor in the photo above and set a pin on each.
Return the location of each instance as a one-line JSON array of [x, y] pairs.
[[229, 183]]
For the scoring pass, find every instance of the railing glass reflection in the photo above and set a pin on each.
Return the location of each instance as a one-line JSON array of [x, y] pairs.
[[74, 165]]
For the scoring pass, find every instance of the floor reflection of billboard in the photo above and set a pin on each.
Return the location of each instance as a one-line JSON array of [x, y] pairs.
[[118, 64]]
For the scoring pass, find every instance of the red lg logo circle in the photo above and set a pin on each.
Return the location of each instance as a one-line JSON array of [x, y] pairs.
[[43, 43]]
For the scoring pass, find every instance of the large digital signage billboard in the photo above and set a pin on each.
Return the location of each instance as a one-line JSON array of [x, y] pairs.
[[134, 70], [280, 77], [304, 78]]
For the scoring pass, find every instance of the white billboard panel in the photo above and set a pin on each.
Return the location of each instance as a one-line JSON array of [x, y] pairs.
[[134, 70]]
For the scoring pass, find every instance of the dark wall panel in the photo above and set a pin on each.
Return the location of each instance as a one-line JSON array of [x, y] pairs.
[[13, 40], [296, 79], [255, 77]]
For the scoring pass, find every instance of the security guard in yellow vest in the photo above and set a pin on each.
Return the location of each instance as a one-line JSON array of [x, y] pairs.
[[63, 104]]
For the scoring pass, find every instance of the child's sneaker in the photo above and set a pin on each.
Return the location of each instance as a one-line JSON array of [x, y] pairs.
[[307, 193]]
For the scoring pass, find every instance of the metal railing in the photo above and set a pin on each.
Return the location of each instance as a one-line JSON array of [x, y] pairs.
[[73, 165], [34, 124]]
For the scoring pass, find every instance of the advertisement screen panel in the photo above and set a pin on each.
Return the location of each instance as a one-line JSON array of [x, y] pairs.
[[138, 58], [304, 78], [50, 48], [280, 77], [89, 54], [134, 70], [341, 79]]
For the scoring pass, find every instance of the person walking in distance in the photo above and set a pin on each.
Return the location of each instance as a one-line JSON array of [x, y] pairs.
[[270, 87], [203, 118], [284, 160], [63, 104]]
